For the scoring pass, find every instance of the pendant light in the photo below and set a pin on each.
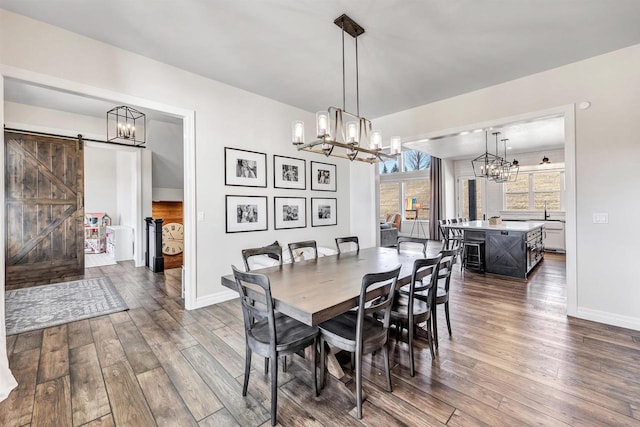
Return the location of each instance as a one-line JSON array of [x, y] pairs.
[[485, 165]]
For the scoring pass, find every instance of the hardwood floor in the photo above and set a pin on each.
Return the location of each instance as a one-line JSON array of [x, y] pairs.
[[514, 359]]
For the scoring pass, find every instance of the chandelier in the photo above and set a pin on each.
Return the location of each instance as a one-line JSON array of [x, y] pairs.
[[126, 126], [492, 166], [341, 133]]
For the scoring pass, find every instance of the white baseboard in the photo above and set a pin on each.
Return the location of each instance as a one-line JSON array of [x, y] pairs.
[[215, 298], [608, 318]]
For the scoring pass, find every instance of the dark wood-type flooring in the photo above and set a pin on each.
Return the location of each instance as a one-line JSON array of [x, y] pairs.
[[515, 359]]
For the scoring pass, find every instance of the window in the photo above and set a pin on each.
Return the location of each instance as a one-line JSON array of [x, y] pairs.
[[516, 197], [547, 188], [414, 160], [389, 199], [534, 191], [471, 191], [406, 177]]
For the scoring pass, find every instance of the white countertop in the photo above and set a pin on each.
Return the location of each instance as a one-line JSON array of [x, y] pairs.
[[505, 226]]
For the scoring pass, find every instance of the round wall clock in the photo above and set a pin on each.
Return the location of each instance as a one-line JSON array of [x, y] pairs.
[[172, 238]]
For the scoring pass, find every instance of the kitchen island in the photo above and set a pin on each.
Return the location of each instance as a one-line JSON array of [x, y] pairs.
[[510, 248]]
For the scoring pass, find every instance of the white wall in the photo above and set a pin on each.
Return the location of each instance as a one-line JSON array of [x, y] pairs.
[[100, 193], [226, 116], [607, 165], [166, 141]]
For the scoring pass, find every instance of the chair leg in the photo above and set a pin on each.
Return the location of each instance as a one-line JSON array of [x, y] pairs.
[[314, 350], [274, 389], [434, 316], [284, 363], [323, 362], [446, 312], [359, 382], [385, 354], [410, 331], [247, 370], [266, 366], [430, 339]]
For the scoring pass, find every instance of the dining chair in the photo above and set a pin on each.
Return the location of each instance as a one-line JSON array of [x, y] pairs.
[[353, 239], [359, 331], [273, 250], [449, 258], [270, 334], [412, 242], [302, 245], [408, 311]]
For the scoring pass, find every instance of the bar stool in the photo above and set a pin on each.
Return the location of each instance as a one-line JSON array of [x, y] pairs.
[[473, 254]]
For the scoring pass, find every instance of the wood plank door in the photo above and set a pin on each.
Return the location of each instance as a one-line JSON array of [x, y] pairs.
[[44, 194]]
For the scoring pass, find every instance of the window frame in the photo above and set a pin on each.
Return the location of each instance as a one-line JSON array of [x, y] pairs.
[[401, 178], [531, 171]]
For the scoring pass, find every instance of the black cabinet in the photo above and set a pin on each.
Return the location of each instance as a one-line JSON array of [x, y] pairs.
[[506, 253]]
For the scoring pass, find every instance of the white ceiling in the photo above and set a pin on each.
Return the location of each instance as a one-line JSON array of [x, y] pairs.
[[542, 134], [413, 52]]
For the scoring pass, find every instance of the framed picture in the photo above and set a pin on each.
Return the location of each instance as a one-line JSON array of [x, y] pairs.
[[289, 172], [323, 176], [245, 168], [323, 212], [290, 212], [246, 213]]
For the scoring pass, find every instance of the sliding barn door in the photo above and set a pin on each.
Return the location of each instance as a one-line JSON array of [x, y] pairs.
[[44, 209]]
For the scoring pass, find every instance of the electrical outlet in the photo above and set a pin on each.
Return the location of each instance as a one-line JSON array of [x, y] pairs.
[[200, 216], [600, 218]]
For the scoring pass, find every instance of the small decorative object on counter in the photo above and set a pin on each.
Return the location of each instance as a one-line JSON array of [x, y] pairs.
[[495, 220]]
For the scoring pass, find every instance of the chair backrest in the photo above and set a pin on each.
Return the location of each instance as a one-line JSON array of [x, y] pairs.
[[370, 305], [301, 245], [273, 251], [256, 301], [426, 267], [397, 219], [341, 240], [412, 241], [449, 258]]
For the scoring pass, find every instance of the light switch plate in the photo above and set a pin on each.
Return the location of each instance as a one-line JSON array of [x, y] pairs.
[[600, 218], [200, 216]]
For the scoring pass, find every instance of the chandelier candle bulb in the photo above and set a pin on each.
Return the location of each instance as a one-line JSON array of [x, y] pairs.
[[352, 132], [297, 131], [322, 121], [376, 140], [396, 145]]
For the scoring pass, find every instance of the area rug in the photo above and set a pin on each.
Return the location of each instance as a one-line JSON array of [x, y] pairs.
[[40, 307]]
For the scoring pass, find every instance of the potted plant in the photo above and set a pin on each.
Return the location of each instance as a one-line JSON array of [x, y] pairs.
[[495, 220]]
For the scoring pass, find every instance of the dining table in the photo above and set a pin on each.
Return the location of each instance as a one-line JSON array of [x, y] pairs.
[[313, 291]]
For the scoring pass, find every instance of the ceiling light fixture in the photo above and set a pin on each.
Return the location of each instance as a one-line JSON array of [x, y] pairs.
[[487, 164], [126, 125], [336, 128]]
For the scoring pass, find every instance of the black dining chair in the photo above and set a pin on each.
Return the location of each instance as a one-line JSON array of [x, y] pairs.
[[270, 334], [273, 250], [408, 310], [412, 242], [359, 331], [342, 240], [449, 258], [303, 245]]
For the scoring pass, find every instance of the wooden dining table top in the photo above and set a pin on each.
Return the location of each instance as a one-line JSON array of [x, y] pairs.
[[313, 291]]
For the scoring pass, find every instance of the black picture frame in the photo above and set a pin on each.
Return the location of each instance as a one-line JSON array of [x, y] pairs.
[[289, 173], [324, 211], [289, 212], [246, 213], [244, 168], [323, 176]]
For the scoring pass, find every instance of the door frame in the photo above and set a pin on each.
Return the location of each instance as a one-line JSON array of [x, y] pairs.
[[189, 276]]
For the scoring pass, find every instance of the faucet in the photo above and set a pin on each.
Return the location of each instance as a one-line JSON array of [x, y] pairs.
[[546, 215]]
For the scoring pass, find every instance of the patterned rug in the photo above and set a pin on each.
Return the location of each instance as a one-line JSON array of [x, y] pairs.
[[49, 305]]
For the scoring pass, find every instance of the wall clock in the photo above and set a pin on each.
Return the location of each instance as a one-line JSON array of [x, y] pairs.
[[172, 238]]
